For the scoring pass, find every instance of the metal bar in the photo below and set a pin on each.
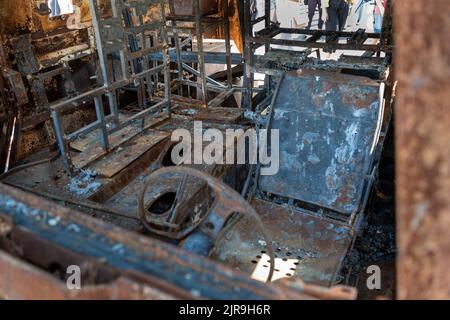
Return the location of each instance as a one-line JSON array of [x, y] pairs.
[[166, 60], [267, 11], [299, 43], [143, 52], [196, 73], [61, 105], [145, 112], [247, 98], [151, 26], [203, 19], [227, 42], [201, 55], [113, 107], [193, 84], [101, 54], [101, 118], [83, 131], [192, 57], [217, 101], [112, 99], [258, 20], [116, 6], [179, 58], [341, 34], [62, 142], [134, 77]]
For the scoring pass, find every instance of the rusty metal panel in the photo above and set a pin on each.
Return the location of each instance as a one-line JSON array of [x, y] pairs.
[[16, 85], [329, 125], [25, 281], [310, 248], [94, 151], [127, 154], [423, 149], [129, 252]]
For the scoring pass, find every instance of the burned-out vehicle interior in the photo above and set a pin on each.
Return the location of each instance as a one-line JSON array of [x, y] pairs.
[[91, 97]]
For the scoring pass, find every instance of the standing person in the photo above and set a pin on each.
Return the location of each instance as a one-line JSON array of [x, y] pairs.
[[378, 14], [335, 12], [312, 6]]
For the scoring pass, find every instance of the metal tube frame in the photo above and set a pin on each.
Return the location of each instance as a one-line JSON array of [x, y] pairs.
[[201, 23], [118, 40], [266, 37]]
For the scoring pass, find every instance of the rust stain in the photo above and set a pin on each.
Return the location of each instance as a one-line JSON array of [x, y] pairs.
[[235, 25], [15, 16], [18, 17], [358, 100], [423, 152]]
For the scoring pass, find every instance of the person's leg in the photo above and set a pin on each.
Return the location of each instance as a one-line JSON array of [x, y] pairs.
[[363, 15], [378, 23], [362, 10], [343, 11], [312, 4], [319, 4], [333, 18], [332, 21]]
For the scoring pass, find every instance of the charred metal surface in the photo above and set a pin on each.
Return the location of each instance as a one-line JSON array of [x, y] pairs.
[[16, 85], [327, 138], [113, 113], [307, 246], [185, 122], [191, 204], [203, 230], [35, 44], [423, 153], [30, 282], [311, 39], [124, 250], [218, 114], [116, 34], [340, 119]]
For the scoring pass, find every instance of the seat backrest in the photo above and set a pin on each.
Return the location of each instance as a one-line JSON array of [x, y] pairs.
[[329, 125]]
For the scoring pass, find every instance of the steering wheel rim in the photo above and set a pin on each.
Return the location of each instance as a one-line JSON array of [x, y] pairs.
[[226, 199]]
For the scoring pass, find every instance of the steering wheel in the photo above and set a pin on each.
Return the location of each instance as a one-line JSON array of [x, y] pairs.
[[202, 236]]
